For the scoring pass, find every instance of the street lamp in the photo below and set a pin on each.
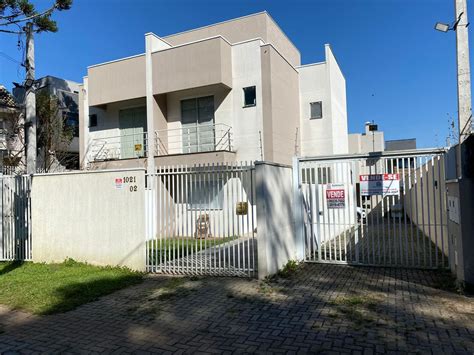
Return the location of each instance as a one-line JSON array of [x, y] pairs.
[[443, 27]]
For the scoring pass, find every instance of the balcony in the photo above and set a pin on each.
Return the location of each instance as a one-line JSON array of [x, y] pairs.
[[202, 63], [196, 139], [127, 146], [178, 141]]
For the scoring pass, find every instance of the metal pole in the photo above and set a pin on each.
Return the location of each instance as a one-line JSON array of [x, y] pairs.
[[463, 77], [30, 102]]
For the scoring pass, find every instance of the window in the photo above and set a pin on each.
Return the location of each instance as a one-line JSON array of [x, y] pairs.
[[71, 120], [316, 110], [250, 96], [93, 120]]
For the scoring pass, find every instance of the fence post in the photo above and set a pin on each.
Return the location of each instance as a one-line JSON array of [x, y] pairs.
[[298, 220]]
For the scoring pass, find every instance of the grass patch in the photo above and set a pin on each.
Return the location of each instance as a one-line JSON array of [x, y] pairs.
[[289, 269], [356, 309], [54, 288], [164, 250]]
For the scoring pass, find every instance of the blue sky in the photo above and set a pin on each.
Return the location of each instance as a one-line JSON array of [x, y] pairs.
[[399, 71]]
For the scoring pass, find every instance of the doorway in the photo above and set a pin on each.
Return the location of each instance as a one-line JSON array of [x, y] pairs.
[[197, 121], [132, 125]]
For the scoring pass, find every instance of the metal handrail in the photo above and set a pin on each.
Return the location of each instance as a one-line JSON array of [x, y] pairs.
[[195, 139], [181, 128], [183, 140], [106, 148]]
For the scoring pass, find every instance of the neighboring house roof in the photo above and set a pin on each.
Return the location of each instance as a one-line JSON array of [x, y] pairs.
[[6, 99], [400, 144]]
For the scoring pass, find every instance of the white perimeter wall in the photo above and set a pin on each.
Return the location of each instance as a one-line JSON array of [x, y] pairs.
[[84, 216], [277, 242]]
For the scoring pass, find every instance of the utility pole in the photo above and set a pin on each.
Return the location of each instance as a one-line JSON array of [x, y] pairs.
[[464, 79], [30, 101], [463, 71]]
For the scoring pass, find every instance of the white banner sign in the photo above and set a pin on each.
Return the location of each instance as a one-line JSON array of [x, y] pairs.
[[380, 184]]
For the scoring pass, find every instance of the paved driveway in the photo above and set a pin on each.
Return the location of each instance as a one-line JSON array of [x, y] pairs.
[[323, 308]]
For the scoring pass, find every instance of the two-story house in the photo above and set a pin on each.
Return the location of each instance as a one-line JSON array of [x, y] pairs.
[[231, 91]]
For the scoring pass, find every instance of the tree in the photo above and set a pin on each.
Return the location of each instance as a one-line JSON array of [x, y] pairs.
[[54, 135], [15, 12], [12, 14], [14, 162]]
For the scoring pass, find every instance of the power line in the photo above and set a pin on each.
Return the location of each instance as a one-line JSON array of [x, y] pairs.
[[6, 56]]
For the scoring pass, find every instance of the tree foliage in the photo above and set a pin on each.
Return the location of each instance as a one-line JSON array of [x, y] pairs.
[[15, 12], [54, 136]]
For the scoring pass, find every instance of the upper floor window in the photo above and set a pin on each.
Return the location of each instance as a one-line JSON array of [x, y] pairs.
[[250, 96], [316, 110], [93, 120]]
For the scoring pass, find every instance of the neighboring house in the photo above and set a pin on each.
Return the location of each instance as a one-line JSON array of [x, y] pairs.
[[11, 134], [232, 91], [367, 142], [67, 93], [400, 144], [374, 141]]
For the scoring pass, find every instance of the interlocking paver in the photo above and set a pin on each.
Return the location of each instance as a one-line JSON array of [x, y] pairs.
[[322, 308]]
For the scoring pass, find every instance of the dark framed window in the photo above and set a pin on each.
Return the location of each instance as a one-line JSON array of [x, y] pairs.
[[316, 110], [250, 96], [93, 120]]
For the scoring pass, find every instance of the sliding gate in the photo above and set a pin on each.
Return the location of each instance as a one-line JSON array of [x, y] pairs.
[[201, 219], [386, 209]]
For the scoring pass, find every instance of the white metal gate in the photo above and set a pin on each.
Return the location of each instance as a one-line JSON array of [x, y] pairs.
[[386, 209], [201, 219], [15, 241]]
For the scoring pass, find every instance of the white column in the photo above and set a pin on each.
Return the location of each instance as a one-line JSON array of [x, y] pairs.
[[150, 120], [85, 129]]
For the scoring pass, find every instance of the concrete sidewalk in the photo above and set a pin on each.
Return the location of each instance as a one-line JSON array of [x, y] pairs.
[[322, 308]]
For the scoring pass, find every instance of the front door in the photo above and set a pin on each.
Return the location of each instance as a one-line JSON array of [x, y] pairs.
[[132, 124], [197, 120]]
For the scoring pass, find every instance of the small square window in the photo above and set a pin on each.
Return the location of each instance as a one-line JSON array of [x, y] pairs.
[[93, 120], [250, 96], [316, 110]]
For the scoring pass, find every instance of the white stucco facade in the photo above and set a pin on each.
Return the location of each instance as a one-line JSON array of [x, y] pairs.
[[323, 82], [277, 127]]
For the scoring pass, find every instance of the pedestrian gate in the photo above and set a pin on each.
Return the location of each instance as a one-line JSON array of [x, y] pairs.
[[386, 209], [201, 220], [15, 234]]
